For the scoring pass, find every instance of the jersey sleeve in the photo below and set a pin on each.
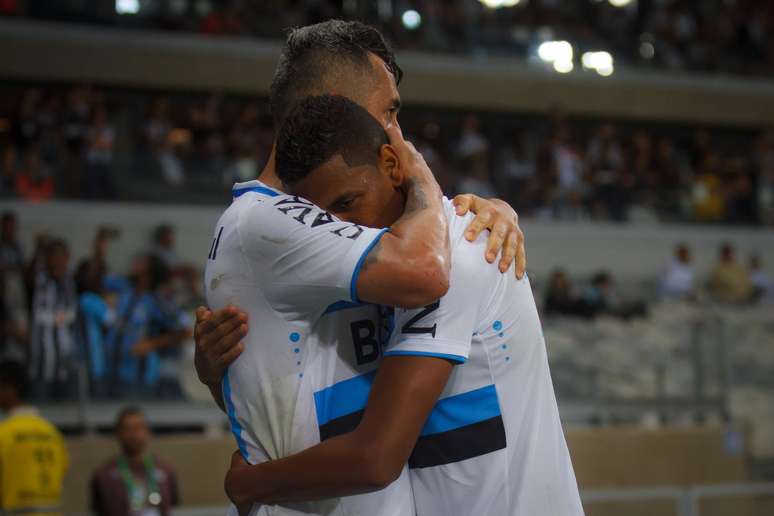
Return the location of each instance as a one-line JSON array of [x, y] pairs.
[[309, 258], [444, 329]]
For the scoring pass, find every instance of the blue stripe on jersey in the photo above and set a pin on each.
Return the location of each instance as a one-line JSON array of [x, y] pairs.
[[462, 410], [237, 192], [455, 358], [356, 272], [341, 305], [343, 398], [236, 428]]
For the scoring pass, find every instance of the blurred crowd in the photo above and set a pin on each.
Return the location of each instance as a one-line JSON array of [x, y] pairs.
[[730, 282], [716, 35], [92, 143], [78, 326]]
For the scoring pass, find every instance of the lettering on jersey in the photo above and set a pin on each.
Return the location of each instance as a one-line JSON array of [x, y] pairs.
[[365, 341], [300, 210], [215, 243], [351, 231], [410, 326]]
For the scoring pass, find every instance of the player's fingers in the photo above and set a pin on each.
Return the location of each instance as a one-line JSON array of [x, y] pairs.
[[521, 255], [229, 356], [202, 313], [218, 338], [230, 339], [217, 318], [509, 251], [478, 225], [462, 203], [496, 239]]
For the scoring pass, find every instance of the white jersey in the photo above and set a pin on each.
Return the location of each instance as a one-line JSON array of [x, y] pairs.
[[312, 348], [493, 444]]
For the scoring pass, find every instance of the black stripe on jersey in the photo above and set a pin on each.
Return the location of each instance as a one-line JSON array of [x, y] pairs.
[[340, 425], [459, 444]]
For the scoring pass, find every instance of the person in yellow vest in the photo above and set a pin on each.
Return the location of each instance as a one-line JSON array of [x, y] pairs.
[[33, 456]]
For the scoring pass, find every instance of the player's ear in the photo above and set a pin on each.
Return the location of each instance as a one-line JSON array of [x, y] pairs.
[[389, 164]]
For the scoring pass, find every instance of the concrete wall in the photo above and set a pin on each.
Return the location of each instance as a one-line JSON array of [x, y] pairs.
[[614, 457], [631, 252]]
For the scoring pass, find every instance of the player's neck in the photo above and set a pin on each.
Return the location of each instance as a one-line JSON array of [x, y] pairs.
[[269, 176]]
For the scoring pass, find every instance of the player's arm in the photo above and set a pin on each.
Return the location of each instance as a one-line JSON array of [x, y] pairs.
[[409, 266], [416, 367], [366, 459]]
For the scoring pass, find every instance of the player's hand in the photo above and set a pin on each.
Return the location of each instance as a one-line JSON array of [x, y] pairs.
[[504, 232], [411, 160], [218, 339], [232, 483]]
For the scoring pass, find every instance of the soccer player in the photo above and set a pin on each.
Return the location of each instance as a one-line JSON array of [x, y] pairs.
[[33, 456], [302, 274], [493, 444]]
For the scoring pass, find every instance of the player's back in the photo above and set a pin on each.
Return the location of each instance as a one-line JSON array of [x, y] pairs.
[[33, 461], [311, 349], [493, 445]]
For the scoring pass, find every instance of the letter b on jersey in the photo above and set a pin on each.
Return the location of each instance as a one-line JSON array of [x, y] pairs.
[[364, 339]]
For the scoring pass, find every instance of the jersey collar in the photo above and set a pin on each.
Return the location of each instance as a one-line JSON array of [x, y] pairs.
[[253, 186]]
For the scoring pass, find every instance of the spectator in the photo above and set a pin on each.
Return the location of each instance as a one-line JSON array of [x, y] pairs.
[[678, 281], [14, 319], [100, 138], [605, 157], [473, 151], [163, 246], [729, 281], [136, 482], [516, 172], [560, 298], [158, 129], [11, 255], [33, 456], [144, 325], [97, 311], [601, 299], [565, 162], [763, 286], [34, 181], [52, 337]]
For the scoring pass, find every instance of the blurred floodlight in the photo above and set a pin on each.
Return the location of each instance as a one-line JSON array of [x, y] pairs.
[[127, 6], [563, 66], [411, 19], [496, 4], [619, 3], [601, 62], [647, 50], [552, 51]]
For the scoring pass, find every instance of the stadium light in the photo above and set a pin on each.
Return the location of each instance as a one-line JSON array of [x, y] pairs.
[[558, 53], [601, 62], [496, 4], [411, 19], [619, 3], [127, 6]]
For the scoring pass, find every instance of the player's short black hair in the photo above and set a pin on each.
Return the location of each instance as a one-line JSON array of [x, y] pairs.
[[127, 412], [13, 374], [321, 127], [315, 53]]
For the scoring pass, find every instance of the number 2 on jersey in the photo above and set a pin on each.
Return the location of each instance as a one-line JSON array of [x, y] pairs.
[[410, 326]]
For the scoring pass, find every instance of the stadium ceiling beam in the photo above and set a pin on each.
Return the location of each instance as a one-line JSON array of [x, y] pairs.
[[31, 50]]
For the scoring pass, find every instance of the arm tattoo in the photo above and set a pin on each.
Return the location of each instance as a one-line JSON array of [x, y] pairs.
[[373, 256]]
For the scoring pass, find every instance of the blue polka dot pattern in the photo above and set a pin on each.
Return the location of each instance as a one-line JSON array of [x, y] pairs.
[[295, 337], [505, 346], [507, 359], [298, 363], [297, 350], [497, 326], [502, 334]]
